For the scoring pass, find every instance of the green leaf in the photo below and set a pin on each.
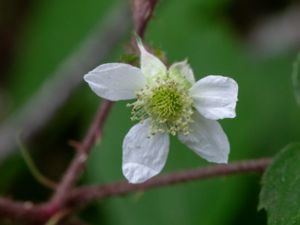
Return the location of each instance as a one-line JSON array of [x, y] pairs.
[[280, 194], [296, 79]]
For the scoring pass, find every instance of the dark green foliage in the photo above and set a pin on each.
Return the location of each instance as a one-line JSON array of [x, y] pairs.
[[280, 194]]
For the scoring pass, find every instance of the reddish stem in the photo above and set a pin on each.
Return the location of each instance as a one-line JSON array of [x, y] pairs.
[[77, 165], [36, 214], [87, 194], [142, 13]]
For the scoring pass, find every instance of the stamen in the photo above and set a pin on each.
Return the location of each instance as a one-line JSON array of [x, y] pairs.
[[167, 103]]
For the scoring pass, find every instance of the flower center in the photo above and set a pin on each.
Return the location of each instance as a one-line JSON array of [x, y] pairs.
[[167, 103]]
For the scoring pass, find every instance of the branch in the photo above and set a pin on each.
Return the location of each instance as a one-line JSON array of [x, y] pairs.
[[77, 166], [23, 211], [142, 11], [36, 214], [84, 195], [56, 91]]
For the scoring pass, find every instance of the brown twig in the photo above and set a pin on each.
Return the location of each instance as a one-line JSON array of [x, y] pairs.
[[76, 167], [25, 211], [86, 194], [40, 213], [142, 11]]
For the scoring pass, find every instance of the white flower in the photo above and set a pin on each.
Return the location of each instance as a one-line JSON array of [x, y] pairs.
[[169, 101]]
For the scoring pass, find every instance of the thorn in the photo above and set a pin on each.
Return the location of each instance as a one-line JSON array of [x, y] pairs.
[[74, 144]]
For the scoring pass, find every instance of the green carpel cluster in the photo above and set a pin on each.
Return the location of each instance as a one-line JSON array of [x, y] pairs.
[[167, 103]]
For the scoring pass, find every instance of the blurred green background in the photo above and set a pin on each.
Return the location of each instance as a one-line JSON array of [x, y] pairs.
[[215, 36]]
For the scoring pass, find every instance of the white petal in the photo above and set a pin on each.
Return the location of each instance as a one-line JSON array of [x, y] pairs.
[[150, 64], [115, 81], [215, 97], [182, 68], [144, 156], [207, 139]]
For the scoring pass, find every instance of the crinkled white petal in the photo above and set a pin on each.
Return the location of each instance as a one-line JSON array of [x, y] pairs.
[[150, 64], [182, 68], [207, 139], [115, 81], [144, 155], [215, 97]]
